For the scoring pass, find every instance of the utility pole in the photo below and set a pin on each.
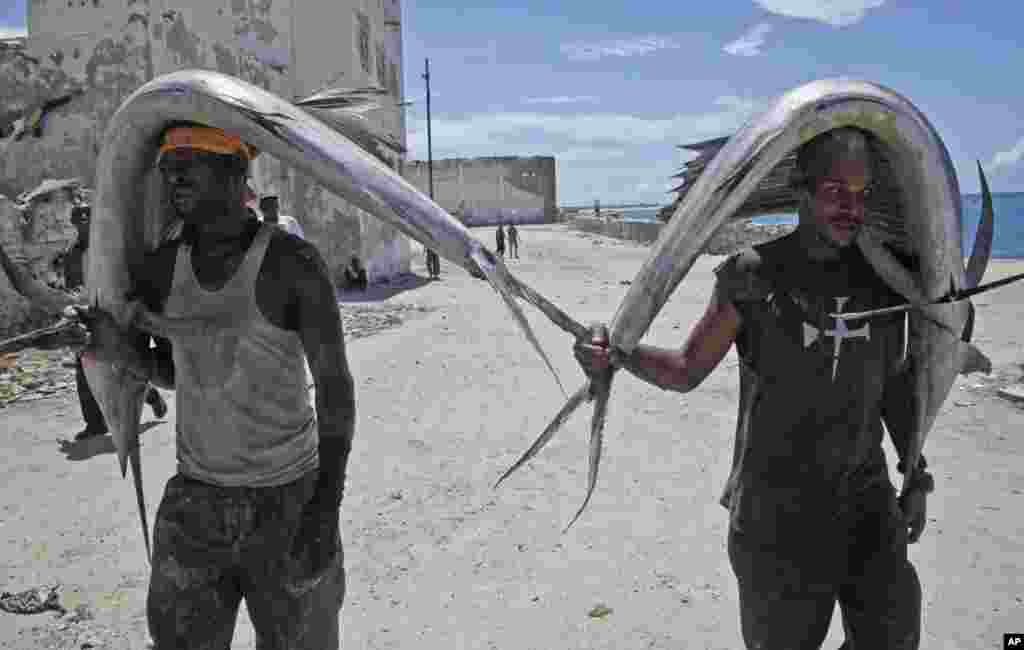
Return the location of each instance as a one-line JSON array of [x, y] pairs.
[[433, 262], [430, 152]]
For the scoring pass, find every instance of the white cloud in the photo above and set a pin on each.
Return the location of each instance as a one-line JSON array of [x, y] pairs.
[[750, 43], [1007, 158], [560, 99], [580, 51], [8, 31], [487, 133], [611, 156], [838, 13]]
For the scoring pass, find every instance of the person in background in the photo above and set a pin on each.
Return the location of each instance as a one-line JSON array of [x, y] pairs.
[[74, 264], [433, 264], [499, 240], [270, 207], [355, 275], [513, 241]]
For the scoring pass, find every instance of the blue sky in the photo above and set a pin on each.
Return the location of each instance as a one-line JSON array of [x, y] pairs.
[[609, 88]]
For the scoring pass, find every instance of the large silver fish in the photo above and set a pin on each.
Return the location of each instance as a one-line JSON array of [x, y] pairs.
[[931, 224], [125, 224]]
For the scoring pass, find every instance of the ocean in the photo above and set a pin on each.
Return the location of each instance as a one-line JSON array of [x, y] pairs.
[[1007, 243]]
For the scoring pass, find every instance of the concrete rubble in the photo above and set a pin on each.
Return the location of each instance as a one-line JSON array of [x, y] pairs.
[[35, 230]]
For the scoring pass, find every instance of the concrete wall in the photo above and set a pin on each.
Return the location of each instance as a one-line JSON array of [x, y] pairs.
[[644, 233], [486, 191], [107, 49], [730, 238]]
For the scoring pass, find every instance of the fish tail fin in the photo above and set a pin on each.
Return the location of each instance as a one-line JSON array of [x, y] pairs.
[[974, 360], [497, 277], [982, 250], [140, 497], [601, 393], [570, 407]]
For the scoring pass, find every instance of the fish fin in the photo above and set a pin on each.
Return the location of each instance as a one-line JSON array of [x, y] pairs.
[[570, 407], [497, 276], [554, 313], [974, 360], [140, 498], [978, 263], [601, 392]]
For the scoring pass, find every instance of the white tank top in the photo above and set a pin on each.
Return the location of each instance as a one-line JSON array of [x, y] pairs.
[[245, 416]]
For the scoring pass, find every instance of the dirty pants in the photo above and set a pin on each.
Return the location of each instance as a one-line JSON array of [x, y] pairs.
[[788, 592], [214, 546]]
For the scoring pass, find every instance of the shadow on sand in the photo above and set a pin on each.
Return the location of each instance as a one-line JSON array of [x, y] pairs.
[[383, 290], [75, 450]]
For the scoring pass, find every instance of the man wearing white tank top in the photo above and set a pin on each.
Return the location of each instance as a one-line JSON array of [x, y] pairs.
[[253, 511]]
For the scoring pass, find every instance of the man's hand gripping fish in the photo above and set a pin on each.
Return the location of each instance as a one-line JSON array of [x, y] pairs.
[[930, 217]]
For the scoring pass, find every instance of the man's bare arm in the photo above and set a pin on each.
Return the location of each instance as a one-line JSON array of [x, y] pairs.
[[684, 369], [154, 285], [319, 325], [161, 360], [679, 370]]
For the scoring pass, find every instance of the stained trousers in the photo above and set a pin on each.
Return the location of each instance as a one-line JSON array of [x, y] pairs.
[[214, 546]]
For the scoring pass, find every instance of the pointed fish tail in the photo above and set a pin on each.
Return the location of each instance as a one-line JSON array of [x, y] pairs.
[[570, 407], [978, 263], [554, 313], [140, 498], [498, 277], [601, 393]]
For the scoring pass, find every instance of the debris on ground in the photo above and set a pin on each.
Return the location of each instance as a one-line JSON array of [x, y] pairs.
[[599, 611], [32, 601], [362, 321], [1014, 392]]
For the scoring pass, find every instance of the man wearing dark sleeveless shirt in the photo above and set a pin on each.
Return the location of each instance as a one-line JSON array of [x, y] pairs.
[[814, 518], [253, 511]]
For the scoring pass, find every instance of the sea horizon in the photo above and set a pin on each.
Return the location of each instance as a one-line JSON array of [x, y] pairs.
[[1008, 239]]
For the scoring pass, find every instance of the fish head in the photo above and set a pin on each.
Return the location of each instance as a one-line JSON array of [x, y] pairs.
[[120, 394]]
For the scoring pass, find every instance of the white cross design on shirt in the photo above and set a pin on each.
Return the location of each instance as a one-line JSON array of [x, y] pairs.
[[840, 332]]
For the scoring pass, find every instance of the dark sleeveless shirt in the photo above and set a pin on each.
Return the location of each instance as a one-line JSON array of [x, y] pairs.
[[809, 430]]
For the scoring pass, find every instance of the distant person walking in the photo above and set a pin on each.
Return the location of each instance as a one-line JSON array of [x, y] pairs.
[[433, 265], [355, 275], [513, 241], [74, 263], [499, 240], [270, 206]]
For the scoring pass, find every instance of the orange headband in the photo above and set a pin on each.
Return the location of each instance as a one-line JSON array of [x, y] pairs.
[[206, 138]]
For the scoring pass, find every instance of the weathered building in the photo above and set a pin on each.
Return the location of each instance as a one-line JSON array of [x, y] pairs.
[[486, 191], [99, 51]]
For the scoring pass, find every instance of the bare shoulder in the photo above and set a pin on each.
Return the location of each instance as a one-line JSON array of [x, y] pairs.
[[739, 278], [294, 259]]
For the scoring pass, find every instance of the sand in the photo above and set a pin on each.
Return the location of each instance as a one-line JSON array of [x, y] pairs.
[[438, 559]]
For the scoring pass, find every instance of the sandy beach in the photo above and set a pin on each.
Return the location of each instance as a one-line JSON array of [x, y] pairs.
[[448, 394]]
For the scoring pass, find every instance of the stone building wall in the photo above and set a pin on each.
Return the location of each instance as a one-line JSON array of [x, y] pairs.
[[100, 51], [486, 191]]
